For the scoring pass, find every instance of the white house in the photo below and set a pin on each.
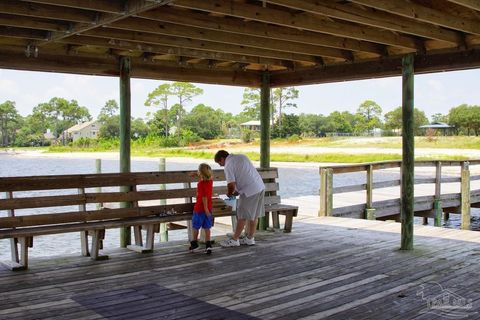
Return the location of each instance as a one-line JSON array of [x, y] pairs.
[[253, 125], [88, 129]]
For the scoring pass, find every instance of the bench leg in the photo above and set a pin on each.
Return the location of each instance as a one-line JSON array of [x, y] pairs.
[[276, 220], [19, 257], [150, 237], [137, 232], [97, 238], [288, 222], [84, 243]]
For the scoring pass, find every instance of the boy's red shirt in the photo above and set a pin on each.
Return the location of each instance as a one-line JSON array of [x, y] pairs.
[[204, 189]]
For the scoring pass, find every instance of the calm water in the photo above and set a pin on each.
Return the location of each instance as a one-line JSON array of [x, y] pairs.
[[294, 182]]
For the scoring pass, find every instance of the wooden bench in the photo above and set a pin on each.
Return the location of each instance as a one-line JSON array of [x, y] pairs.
[[44, 205]]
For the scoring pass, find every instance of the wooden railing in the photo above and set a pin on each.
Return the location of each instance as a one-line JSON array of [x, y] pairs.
[[427, 206]]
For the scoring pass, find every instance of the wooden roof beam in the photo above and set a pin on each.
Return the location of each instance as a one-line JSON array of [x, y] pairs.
[[110, 33], [416, 11], [152, 49], [107, 65], [372, 18], [259, 29], [85, 19], [377, 69], [165, 28], [31, 23], [23, 33], [472, 4], [300, 21], [110, 6]]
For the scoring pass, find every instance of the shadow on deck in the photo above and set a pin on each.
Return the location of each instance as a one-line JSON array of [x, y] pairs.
[[327, 268]]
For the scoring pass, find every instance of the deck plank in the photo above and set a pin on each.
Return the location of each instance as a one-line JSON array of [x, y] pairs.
[[327, 268]]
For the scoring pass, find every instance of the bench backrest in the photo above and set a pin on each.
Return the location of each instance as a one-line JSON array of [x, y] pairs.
[[77, 198]]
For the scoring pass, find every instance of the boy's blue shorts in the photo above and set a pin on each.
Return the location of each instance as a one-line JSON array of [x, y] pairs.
[[200, 220]]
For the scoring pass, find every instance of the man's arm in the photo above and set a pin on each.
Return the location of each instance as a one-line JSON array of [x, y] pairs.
[[231, 189]]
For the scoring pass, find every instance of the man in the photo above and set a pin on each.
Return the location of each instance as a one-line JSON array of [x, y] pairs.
[[243, 179]]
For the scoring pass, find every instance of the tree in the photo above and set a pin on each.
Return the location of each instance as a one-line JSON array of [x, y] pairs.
[[159, 98], [459, 118], [281, 97], [393, 120], [311, 124], [204, 121], [251, 104], [108, 110], [343, 122], [290, 127], [9, 122], [369, 113], [183, 91], [438, 117], [59, 114]]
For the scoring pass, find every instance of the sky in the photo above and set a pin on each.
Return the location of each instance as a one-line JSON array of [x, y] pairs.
[[434, 93]]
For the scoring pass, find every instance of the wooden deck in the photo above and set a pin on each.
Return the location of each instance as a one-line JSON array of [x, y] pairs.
[[333, 268]]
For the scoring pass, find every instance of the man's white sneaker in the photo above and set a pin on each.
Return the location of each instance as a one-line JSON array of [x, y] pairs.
[[247, 241], [230, 243]]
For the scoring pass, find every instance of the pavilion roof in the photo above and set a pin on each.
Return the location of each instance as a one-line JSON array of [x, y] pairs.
[[232, 41]]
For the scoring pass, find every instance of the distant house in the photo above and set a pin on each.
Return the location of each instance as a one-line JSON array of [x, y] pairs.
[[253, 125], [442, 127], [88, 129], [48, 135]]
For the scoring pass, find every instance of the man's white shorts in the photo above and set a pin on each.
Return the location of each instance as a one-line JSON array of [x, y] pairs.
[[252, 207]]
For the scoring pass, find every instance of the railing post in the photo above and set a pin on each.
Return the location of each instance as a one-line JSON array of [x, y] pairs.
[[369, 211], [163, 226], [326, 192], [465, 195], [98, 169], [437, 204]]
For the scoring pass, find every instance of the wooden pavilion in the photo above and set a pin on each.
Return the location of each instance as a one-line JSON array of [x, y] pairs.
[[256, 43]]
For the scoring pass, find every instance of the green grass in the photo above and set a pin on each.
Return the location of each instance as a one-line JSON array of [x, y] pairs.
[[207, 151]]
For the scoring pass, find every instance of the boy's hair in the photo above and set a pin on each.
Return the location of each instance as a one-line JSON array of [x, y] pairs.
[[221, 154], [205, 171]]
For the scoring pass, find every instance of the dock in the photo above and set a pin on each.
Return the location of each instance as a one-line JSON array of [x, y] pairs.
[[328, 267]]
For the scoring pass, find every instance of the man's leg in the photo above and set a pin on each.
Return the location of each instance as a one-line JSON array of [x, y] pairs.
[[238, 230], [252, 227]]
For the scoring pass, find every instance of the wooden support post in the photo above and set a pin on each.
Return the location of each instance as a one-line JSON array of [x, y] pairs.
[[16, 259], [265, 132], [408, 156], [326, 192], [465, 196], [125, 115], [163, 226], [437, 204], [370, 210], [83, 234], [98, 169], [188, 185], [97, 238]]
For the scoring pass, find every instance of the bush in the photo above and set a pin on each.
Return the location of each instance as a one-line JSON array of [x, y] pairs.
[[247, 135], [294, 138]]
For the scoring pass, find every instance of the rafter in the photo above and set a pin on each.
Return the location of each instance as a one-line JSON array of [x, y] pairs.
[[31, 23], [238, 26], [110, 6], [472, 4], [21, 8], [413, 10], [118, 34], [107, 65], [371, 18], [302, 20], [170, 29], [149, 48]]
